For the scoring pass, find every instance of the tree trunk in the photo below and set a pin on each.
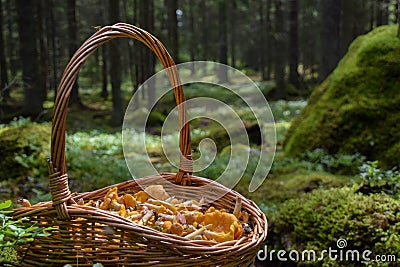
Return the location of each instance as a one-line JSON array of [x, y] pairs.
[[261, 44], [371, 15], [280, 92], [348, 17], [398, 17], [136, 57], [104, 73], [143, 13], [147, 57], [223, 42], [204, 36], [330, 37], [72, 45], [385, 12], [11, 42], [193, 39], [151, 59], [378, 11], [53, 44], [233, 31], [3, 64], [33, 94], [172, 27], [115, 71], [293, 44], [43, 77], [103, 55], [355, 18], [131, 48], [382, 12], [268, 45]]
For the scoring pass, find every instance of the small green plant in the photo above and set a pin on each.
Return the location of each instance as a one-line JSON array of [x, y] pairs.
[[285, 111], [375, 180], [335, 163], [17, 121], [15, 231], [319, 160]]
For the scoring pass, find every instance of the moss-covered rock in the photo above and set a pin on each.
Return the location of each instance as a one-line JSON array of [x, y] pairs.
[[365, 222], [24, 150], [356, 109], [280, 188]]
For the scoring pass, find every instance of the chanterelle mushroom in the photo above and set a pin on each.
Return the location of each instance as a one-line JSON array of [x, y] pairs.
[[224, 226], [129, 201], [157, 192], [153, 207]]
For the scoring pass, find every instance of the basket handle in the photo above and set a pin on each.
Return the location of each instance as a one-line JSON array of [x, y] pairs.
[[59, 188]]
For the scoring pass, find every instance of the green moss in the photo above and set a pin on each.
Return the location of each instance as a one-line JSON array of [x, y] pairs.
[[277, 189], [366, 222], [356, 108], [8, 254], [24, 149]]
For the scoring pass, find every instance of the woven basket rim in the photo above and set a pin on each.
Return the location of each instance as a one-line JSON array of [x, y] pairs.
[[77, 210]]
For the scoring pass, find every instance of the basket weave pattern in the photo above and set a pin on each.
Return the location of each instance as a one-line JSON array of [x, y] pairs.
[[86, 235]]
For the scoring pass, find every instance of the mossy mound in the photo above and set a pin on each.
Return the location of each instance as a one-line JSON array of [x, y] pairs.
[[324, 216], [281, 188], [24, 150], [356, 109]]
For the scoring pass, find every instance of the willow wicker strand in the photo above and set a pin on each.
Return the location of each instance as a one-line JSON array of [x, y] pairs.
[[84, 235]]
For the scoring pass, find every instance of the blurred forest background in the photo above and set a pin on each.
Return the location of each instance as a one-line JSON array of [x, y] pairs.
[[329, 69], [294, 43]]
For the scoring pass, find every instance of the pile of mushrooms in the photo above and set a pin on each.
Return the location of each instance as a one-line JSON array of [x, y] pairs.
[[155, 208]]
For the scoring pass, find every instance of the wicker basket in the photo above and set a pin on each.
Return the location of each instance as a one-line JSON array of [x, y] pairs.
[[86, 235]]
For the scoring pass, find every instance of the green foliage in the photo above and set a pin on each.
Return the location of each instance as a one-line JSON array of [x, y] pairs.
[[337, 163], [356, 108], [319, 160], [95, 160], [221, 160], [17, 121], [286, 110], [375, 180], [281, 130], [24, 147], [15, 231], [366, 222]]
